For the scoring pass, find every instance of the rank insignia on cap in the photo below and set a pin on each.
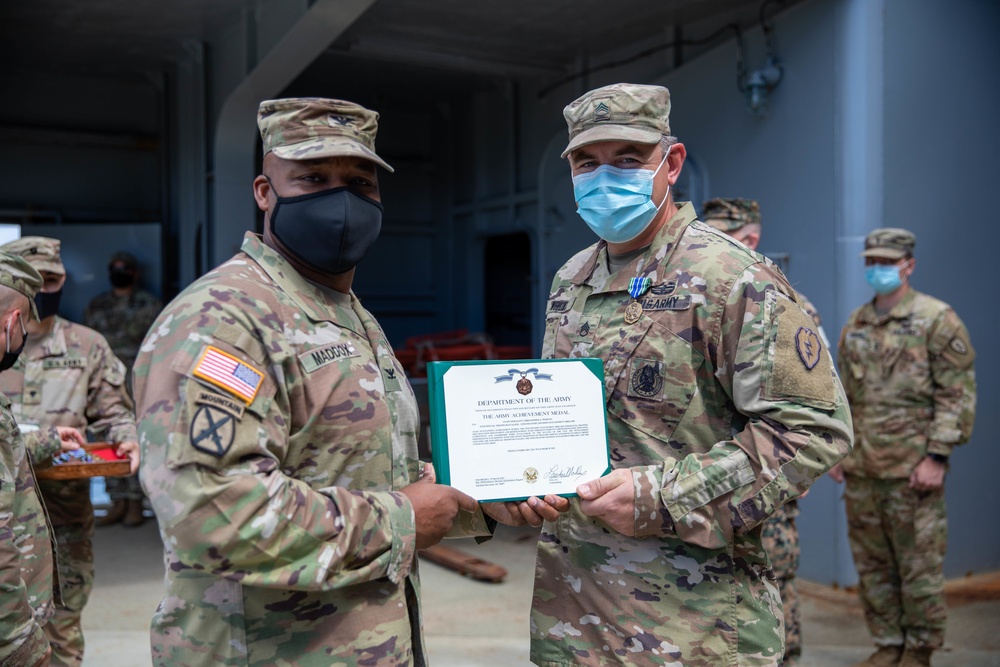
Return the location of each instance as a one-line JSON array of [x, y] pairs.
[[602, 112], [808, 345], [229, 373]]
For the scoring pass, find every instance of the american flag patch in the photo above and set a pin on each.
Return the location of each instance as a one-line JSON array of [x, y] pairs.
[[227, 372]]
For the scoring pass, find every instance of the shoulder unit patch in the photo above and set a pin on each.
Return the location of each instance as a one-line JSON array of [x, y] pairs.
[[808, 345]]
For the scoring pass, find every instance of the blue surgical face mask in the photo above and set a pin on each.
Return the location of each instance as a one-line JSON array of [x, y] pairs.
[[617, 203], [883, 278]]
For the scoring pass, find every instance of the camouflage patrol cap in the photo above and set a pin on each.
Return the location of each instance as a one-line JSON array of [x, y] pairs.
[[620, 112], [16, 273], [890, 243], [728, 215], [40, 251], [306, 128], [122, 257]]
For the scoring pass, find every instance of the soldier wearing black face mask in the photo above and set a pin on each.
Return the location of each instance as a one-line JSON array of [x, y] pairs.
[[123, 314]]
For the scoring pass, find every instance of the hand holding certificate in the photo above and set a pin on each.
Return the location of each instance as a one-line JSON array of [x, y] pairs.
[[507, 430]]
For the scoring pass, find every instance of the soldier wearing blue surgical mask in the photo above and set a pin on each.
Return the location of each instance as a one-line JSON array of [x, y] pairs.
[[907, 365], [722, 404]]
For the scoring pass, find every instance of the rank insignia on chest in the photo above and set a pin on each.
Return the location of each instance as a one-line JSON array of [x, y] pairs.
[[585, 329], [228, 373], [808, 345]]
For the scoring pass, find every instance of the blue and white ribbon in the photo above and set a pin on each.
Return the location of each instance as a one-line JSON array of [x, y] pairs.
[[513, 371]]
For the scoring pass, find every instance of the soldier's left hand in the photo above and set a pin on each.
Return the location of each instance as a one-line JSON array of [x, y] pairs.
[[131, 450], [531, 512], [928, 475], [611, 499]]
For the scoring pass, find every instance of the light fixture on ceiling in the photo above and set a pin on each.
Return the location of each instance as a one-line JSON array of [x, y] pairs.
[[758, 84]]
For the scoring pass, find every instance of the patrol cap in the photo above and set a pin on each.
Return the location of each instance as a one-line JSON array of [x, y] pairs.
[[122, 257], [620, 112], [890, 243], [306, 128], [728, 215], [18, 274], [40, 251]]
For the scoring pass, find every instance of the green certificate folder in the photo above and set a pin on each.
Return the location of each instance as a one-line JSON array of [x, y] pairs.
[[507, 430]]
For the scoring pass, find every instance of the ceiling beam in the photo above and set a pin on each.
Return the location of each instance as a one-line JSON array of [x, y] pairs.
[[370, 49]]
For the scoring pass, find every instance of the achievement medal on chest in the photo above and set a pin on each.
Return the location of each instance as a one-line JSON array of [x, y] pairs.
[[636, 288]]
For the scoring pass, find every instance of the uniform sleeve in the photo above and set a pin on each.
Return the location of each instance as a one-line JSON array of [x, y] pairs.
[[778, 374], [954, 380], [110, 409], [42, 444], [22, 641], [225, 505]]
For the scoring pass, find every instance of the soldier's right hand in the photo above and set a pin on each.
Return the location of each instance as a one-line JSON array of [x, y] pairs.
[[836, 473], [435, 507], [70, 438]]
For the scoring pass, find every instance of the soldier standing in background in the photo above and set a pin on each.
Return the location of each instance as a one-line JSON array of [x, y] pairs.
[[123, 315], [67, 376], [740, 219], [722, 404], [906, 361]]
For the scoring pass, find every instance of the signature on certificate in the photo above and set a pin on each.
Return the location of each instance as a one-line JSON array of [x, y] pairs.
[[558, 473]]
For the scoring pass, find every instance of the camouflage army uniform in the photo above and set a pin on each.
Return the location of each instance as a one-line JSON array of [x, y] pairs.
[[910, 381], [780, 536], [25, 552], [69, 377], [123, 321], [720, 348], [287, 538]]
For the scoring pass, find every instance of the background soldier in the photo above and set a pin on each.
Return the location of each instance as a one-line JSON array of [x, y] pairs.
[[123, 315], [906, 361], [67, 376], [701, 339], [740, 219]]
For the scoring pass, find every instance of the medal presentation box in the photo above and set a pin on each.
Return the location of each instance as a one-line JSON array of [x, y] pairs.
[[507, 430], [104, 462]]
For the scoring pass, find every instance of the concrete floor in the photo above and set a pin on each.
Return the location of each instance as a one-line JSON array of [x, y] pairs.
[[472, 624]]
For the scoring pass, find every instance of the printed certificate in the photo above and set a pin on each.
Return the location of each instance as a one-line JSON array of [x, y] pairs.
[[507, 430]]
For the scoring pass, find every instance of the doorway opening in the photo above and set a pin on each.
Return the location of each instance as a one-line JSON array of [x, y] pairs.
[[507, 283]]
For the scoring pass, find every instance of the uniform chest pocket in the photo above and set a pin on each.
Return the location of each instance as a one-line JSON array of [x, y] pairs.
[[656, 380], [856, 348]]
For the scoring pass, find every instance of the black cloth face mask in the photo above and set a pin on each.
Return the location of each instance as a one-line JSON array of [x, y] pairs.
[[330, 231], [47, 303], [10, 356], [120, 278]]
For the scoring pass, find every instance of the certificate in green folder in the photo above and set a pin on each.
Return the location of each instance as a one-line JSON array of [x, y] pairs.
[[507, 430]]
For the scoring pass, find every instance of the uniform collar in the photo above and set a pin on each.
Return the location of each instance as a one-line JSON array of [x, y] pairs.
[[52, 344], [594, 272], [900, 311], [309, 297]]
